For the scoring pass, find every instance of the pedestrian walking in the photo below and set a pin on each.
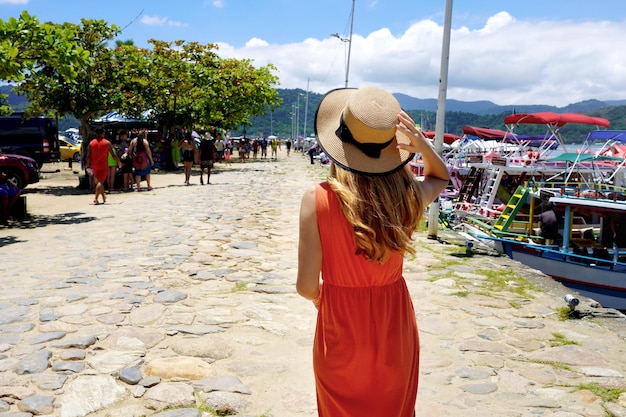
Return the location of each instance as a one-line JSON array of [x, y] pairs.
[[274, 146], [355, 229], [219, 146], [141, 155], [255, 148], [98, 163], [207, 158], [312, 151], [263, 144], [127, 162], [187, 147]]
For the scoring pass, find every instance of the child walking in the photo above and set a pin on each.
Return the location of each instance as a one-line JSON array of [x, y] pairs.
[[227, 155]]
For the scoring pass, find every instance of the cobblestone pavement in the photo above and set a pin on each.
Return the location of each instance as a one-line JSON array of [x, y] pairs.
[[184, 295]]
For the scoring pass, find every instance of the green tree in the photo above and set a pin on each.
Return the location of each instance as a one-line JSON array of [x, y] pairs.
[[189, 85], [90, 91], [240, 91], [28, 46], [69, 69]]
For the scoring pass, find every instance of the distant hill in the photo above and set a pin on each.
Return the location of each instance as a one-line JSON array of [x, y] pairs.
[[18, 103], [301, 105], [485, 107]]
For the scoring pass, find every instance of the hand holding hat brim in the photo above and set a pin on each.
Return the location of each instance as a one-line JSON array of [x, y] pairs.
[[417, 139]]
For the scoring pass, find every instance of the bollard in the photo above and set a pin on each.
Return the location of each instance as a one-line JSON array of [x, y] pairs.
[[571, 301]]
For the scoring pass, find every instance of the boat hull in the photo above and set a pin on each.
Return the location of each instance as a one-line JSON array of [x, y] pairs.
[[600, 280]]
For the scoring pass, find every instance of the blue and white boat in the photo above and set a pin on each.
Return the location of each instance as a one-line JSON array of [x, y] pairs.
[[591, 258]]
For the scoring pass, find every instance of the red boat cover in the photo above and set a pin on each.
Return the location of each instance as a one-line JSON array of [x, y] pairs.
[[448, 138], [555, 119], [484, 133]]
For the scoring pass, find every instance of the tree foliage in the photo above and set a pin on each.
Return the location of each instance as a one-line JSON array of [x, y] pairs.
[[189, 85], [69, 69], [28, 46], [90, 91]]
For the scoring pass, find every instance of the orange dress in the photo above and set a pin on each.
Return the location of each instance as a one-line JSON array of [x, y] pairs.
[[366, 348], [99, 150]]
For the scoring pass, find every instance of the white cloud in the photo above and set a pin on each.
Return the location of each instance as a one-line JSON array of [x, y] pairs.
[[153, 20], [218, 3], [256, 42], [14, 1], [160, 21], [507, 61], [177, 24]]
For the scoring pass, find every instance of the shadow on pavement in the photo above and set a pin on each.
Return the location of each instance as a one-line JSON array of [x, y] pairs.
[[8, 240], [32, 222], [56, 190]]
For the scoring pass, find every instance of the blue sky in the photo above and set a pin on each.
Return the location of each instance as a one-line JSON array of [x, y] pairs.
[[510, 52]]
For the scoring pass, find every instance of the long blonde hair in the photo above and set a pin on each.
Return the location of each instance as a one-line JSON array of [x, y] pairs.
[[385, 210]]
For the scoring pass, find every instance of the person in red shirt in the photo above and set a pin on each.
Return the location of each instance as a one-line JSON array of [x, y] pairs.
[[98, 162]]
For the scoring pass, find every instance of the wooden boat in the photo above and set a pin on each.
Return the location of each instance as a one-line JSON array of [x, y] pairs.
[[591, 258]]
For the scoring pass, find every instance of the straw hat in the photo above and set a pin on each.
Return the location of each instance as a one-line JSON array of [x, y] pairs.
[[356, 128]]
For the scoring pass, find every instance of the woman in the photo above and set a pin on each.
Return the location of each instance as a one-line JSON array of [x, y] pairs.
[[141, 154], [355, 229], [188, 147], [127, 162], [100, 149]]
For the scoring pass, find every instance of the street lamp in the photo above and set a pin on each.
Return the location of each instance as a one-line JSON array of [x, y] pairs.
[[336, 35], [298, 116], [348, 41], [306, 109], [293, 122]]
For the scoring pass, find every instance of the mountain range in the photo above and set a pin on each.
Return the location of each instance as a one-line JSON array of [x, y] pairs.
[[480, 107], [482, 113], [483, 107]]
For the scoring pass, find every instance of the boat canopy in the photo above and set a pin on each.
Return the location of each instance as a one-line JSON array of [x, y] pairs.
[[448, 138], [583, 157], [485, 133], [618, 135], [555, 119], [600, 206], [534, 141]]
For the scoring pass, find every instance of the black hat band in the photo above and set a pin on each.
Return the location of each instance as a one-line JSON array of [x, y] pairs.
[[372, 150]]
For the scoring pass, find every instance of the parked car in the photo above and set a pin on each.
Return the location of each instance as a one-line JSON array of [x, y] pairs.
[[74, 134], [20, 170], [35, 137], [69, 148]]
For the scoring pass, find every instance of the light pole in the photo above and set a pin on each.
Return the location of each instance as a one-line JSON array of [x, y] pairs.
[[298, 116], [293, 121], [433, 212], [306, 109], [348, 41]]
